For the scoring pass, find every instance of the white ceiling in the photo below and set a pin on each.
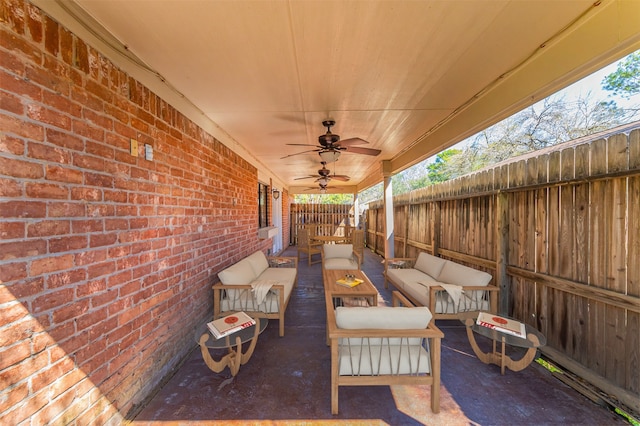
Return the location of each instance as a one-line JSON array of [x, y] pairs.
[[410, 77]]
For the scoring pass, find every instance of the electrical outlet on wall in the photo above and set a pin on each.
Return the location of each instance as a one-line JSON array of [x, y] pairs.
[[134, 147], [148, 152]]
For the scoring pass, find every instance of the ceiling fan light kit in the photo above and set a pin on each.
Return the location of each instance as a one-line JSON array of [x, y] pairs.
[[329, 156]]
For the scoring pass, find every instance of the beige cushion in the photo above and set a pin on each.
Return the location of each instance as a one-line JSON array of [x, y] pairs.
[[339, 263], [429, 264], [383, 317], [258, 262], [332, 251], [239, 273], [400, 277], [454, 273]]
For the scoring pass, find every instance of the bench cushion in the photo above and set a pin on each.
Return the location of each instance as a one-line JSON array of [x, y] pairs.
[[240, 273], [332, 251], [454, 273], [383, 317], [258, 263], [430, 265]]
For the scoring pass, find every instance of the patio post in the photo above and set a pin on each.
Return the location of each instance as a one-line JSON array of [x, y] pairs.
[[389, 249]]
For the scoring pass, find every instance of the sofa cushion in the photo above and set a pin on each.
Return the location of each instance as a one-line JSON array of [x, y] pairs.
[[400, 277], [240, 273], [332, 251], [340, 263], [454, 273], [284, 276], [430, 265], [383, 317], [258, 262]]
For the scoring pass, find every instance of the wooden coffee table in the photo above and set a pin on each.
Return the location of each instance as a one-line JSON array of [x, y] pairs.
[[364, 290]]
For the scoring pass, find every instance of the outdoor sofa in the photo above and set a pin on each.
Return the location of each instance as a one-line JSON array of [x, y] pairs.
[[259, 285], [448, 288]]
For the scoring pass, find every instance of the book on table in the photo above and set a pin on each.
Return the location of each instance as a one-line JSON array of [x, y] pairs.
[[230, 324], [349, 283], [504, 325]]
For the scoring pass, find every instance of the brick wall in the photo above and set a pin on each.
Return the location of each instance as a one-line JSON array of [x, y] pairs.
[[106, 259]]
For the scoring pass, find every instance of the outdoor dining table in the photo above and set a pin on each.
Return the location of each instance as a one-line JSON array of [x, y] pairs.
[[331, 239]]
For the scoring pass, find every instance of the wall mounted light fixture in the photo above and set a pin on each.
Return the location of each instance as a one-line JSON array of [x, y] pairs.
[[276, 194]]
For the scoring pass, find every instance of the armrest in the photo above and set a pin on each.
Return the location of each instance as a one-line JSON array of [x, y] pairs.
[[219, 288], [282, 261], [399, 263]]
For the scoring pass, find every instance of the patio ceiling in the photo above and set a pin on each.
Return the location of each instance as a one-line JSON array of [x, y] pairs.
[[410, 77]]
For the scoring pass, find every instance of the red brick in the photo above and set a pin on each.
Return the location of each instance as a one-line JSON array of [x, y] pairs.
[[86, 194], [104, 298], [90, 257], [66, 278], [20, 290], [46, 190], [13, 396], [103, 240], [51, 264], [100, 269], [58, 245], [26, 209], [11, 145], [73, 310], [19, 86], [63, 209], [51, 36], [48, 227], [48, 79], [13, 271], [63, 174], [92, 318], [87, 130], [48, 116], [11, 103], [22, 249], [20, 169], [95, 179], [11, 230], [61, 103], [91, 287], [64, 140], [115, 196], [10, 188]]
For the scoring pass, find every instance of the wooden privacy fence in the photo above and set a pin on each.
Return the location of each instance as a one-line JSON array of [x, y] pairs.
[[559, 230], [326, 219]]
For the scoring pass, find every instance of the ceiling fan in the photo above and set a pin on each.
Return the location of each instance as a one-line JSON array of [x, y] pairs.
[[331, 143], [324, 175]]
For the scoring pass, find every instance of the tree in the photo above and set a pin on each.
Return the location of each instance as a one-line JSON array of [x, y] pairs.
[[441, 169], [625, 80]]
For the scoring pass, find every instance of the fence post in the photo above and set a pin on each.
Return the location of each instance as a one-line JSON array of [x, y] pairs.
[[502, 249]]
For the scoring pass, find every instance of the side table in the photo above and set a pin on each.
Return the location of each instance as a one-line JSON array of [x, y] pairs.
[[235, 358], [534, 340]]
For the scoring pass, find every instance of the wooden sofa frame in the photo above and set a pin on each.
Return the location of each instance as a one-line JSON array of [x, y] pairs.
[[490, 291], [431, 333], [219, 290]]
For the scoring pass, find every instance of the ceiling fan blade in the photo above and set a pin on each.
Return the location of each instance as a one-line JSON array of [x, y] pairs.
[[306, 177], [299, 144], [352, 141], [340, 178], [298, 153], [365, 151]]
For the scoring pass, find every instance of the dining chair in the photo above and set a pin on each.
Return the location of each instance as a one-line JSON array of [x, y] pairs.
[[357, 239], [305, 245]]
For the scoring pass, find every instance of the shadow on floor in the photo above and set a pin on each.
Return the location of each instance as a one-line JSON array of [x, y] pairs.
[[287, 381]]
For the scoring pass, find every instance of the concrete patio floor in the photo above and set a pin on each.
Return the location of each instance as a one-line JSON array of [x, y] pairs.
[[287, 381]]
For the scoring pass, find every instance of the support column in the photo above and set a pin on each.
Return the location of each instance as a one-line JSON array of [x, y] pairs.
[[389, 232]]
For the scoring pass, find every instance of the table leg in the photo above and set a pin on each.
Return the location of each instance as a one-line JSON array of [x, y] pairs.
[[500, 358], [234, 359]]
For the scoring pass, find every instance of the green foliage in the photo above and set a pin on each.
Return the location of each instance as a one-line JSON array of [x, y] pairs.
[[625, 80], [323, 198], [444, 167]]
